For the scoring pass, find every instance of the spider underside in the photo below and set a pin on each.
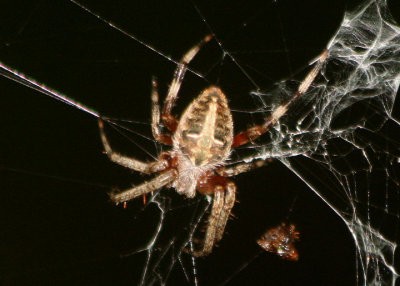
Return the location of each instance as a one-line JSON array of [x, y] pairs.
[[202, 141]]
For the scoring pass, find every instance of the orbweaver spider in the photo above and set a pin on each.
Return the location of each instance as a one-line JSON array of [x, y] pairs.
[[202, 141]]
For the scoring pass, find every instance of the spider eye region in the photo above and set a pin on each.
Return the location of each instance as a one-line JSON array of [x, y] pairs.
[[205, 130]]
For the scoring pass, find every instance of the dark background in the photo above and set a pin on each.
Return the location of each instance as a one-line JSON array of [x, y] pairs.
[[57, 225]]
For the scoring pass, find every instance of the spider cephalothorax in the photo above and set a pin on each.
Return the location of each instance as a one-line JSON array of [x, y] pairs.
[[201, 142]]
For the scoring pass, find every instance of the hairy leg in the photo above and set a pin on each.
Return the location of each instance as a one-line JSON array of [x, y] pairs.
[[223, 202], [229, 201], [154, 184], [129, 162], [256, 131], [240, 168], [155, 117], [213, 219], [168, 119]]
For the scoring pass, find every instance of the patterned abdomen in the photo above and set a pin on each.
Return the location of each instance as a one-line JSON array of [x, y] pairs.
[[205, 131]]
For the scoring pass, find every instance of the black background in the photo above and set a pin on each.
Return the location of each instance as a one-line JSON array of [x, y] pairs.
[[57, 225]]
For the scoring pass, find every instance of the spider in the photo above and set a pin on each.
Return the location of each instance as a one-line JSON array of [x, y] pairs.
[[202, 141], [280, 240]]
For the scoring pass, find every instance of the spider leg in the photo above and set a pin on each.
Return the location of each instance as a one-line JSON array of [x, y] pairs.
[[240, 168], [168, 119], [229, 201], [218, 201], [129, 162], [154, 184], [155, 114], [254, 132], [223, 201]]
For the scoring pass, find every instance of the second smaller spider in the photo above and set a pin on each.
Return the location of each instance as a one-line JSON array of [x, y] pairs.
[[280, 240]]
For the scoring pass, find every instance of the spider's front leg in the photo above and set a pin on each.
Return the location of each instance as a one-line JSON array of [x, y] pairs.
[[147, 187], [155, 117], [223, 201], [129, 162], [169, 120]]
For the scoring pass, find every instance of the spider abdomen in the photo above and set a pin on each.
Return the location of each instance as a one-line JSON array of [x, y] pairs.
[[205, 131]]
